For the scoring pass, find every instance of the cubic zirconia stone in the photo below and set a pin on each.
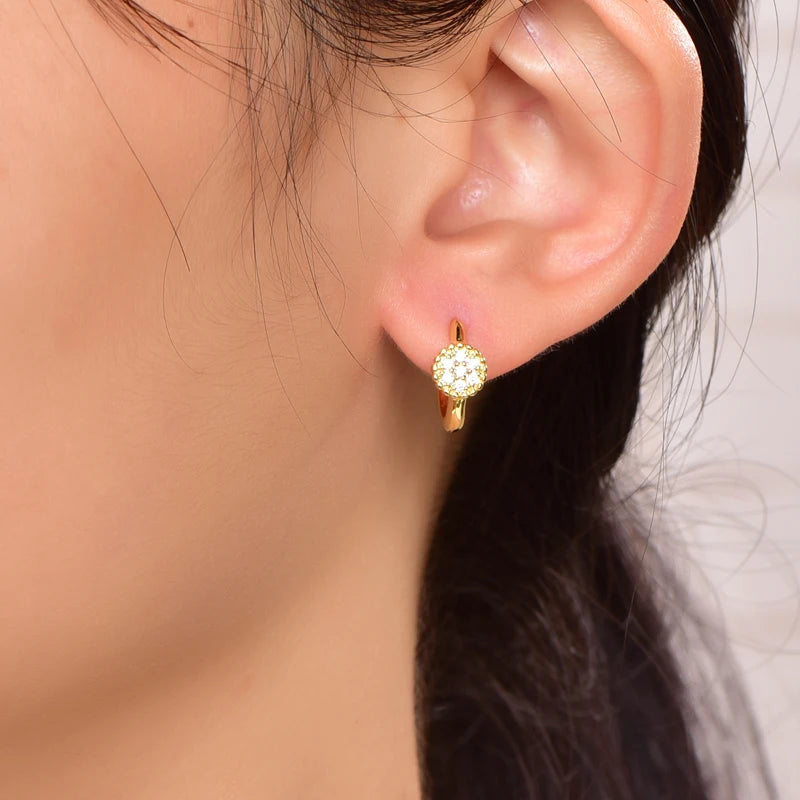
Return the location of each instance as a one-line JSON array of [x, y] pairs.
[[459, 370]]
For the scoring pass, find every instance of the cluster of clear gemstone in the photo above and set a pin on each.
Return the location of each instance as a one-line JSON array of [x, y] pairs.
[[459, 370]]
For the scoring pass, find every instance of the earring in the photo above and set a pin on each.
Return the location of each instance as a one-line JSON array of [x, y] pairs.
[[459, 372]]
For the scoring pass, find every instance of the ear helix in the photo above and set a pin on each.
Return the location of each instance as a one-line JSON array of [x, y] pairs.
[[459, 372]]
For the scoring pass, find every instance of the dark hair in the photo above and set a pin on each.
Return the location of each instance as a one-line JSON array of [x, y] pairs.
[[546, 662]]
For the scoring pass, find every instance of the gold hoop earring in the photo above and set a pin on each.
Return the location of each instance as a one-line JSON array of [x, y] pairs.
[[459, 371]]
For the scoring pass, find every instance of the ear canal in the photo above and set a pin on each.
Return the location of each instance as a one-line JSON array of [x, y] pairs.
[[515, 162]]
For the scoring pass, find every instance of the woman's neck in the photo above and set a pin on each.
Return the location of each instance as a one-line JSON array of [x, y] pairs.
[[314, 696]]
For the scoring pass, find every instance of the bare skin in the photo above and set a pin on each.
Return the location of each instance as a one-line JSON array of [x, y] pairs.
[[220, 470]]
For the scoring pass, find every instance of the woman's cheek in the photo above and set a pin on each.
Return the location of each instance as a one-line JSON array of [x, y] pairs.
[[102, 146]]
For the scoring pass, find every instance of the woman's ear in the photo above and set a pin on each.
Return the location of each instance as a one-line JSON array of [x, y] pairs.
[[559, 191]]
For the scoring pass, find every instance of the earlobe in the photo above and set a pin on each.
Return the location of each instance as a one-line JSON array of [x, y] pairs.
[[570, 189]]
